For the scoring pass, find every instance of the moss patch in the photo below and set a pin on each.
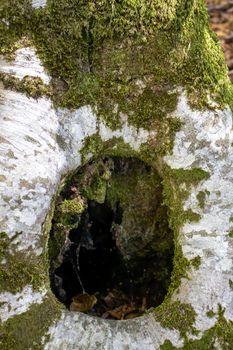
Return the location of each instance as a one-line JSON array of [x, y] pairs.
[[25, 331], [18, 269], [161, 143], [193, 176], [210, 314], [167, 345], [173, 178], [231, 284], [196, 262], [95, 147], [201, 199], [15, 17], [32, 86], [125, 58], [72, 206], [177, 316], [220, 336]]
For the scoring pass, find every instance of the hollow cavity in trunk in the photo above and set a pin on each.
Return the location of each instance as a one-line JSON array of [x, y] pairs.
[[110, 247]]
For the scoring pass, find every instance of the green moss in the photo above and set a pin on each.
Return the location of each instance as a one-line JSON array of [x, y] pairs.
[[72, 206], [162, 144], [15, 17], [18, 269], [67, 214], [210, 314], [190, 216], [220, 336], [32, 86], [231, 233], [178, 316], [196, 262], [9, 52], [181, 266], [125, 58], [150, 109], [167, 345], [97, 191], [25, 331], [106, 48], [116, 147], [201, 199], [174, 197], [94, 147], [231, 284], [221, 333], [193, 176], [157, 49], [94, 183], [176, 218]]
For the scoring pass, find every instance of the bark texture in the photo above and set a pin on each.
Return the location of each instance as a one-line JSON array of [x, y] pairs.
[[123, 78]]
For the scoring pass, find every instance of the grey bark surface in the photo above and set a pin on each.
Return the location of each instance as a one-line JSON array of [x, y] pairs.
[[40, 144]]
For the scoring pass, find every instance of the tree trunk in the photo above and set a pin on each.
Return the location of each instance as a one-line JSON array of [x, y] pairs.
[[145, 80]]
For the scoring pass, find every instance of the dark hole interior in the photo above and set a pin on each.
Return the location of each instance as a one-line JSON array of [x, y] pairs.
[[100, 262]]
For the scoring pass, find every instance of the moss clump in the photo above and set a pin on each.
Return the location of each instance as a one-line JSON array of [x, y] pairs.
[[201, 199], [25, 331], [231, 234], [9, 52], [162, 143], [210, 314], [174, 200], [97, 191], [32, 86], [95, 147], [17, 269], [190, 216], [94, 185], [177, 316], [15, 17], [193, 176], [231, 284], [171, 53], [68, 212], [125, 58], [181, 266], [196, 262], [220, 336], [150, 108], [167, 345], [72, 206]]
